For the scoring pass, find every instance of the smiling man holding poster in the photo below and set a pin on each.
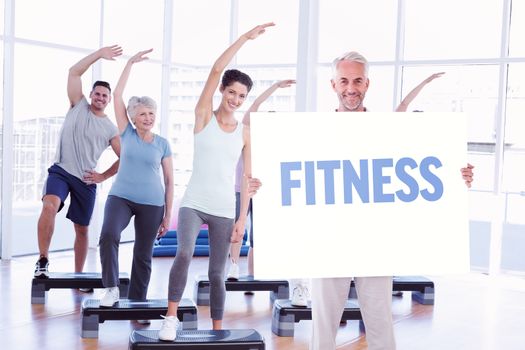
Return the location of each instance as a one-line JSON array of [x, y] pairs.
[[366, 195]]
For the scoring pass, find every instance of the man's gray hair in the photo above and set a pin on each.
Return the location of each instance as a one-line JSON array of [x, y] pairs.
[[351, 56], [136, 101]]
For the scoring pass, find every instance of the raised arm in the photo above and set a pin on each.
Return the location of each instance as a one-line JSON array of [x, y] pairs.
[[118, 101], [263, 97], [403, 106], [74, 83], [204, 107]]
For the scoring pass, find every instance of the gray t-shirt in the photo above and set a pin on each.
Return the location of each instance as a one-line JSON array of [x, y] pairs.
[[83, 138]]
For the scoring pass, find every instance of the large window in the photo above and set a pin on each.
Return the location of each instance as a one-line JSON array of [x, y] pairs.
[[513, 237], [279, 44], [517, 28], [463, 39], [135, 25], [197, 41], [515, 130], [200, 39], [64, 22], [350, 26], [40, 104], [272, 56], [452, 29]]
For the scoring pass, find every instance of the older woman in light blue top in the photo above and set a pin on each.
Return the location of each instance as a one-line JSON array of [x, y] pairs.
[[138, 191]]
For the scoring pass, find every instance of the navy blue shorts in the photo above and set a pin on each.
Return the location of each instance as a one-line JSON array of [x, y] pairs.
[[61, 183]]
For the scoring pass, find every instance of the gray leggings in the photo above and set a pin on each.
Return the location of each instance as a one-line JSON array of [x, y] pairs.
[[220, 230], [117, 214]]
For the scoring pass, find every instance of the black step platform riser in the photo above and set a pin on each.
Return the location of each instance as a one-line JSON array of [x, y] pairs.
[[93, 315], [40, 286], [421, 287], [278, 289], [284, 316], [201, 339]]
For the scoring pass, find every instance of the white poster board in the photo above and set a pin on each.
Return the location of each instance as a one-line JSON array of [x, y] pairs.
[[359, 194]]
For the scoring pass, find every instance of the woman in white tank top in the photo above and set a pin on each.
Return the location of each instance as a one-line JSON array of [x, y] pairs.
[[210, 196]]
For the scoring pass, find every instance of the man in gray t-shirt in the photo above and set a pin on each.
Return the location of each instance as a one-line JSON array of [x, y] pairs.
[[85, 134]]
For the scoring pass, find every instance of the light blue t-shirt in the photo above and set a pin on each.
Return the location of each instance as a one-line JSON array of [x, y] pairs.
[[138, 178]]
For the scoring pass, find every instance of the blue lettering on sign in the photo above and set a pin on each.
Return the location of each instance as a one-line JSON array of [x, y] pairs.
[[368, 180], [287, 183]]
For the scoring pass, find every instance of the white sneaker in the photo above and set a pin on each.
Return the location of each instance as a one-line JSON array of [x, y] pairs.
[[168, 330], [233, 273], [110, 297], [300, 296], [144, 322]]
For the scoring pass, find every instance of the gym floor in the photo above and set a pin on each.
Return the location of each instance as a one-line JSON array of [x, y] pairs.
[[471, 311]]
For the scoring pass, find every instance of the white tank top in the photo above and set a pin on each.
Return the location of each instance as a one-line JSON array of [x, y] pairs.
[[211, 187]]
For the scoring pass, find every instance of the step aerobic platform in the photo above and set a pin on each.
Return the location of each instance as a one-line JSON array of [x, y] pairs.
[[233, 339], [126, 309], [285, 315], [279, 289], [421, 287], [72, 280]]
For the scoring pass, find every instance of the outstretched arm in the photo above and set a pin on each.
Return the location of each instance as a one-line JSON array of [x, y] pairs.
[[403, 106], [118, 101], [74, 83], [204, 107], [264, 96]]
